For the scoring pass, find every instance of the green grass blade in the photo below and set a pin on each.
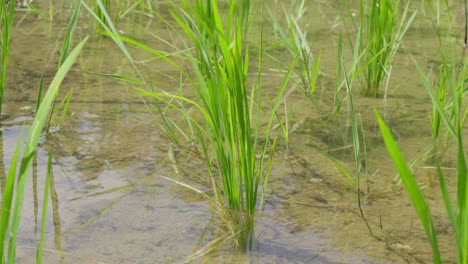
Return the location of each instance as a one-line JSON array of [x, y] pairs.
[[69, 35], [446, 197], [39, 93], [7, 199], [35, 132], [462, 199], [411, 187], [315, 75], [6, 22], [66, 105]]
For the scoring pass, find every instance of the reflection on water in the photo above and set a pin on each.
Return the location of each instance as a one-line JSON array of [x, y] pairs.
[[56, 217], [3, 172]]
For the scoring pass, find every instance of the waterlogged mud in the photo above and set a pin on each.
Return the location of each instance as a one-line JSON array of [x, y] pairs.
[[111, 199]]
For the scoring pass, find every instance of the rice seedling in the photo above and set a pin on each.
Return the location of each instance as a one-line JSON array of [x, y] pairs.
[[357, 131], [380, 30], [360, 159], [294, 38], [453, 117], [11, 210], [220, 64], [448, 75], [354, 178], [64, 53], [6, 22], [412, 188], [230, 132]]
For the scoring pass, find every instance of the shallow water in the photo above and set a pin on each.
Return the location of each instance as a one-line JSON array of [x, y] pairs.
[[111, 203]]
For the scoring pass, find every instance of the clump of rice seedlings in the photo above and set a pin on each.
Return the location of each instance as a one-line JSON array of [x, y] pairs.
[[6, 22], [453, 118], [449, 73], [235, 144], [379, 30], [294, 38], [220, 64], [12, 200]]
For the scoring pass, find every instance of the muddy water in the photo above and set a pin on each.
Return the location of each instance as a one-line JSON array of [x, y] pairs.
[[111, 203]]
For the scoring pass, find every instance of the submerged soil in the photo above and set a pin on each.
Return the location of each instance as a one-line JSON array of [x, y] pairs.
[[111, 201]]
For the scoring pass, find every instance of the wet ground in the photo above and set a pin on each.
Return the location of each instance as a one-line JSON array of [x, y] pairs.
[[111, 202]]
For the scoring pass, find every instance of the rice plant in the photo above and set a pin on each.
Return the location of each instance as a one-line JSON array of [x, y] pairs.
[[234, 143], [359, 150], [448, 72], [6, 22], [357, 133], [453, 117], [412, 188], [294, 38], [64, 53], [12, 199], [380, 28], [448, 75], [220, 65]]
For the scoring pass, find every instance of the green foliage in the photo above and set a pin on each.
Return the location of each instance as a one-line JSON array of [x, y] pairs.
[[64, 53], [12, 209], [113, 11], [294, 38], [412, 188], [450, 113], [220, 66], [6, 22], [229, 130], [380, 30], [67, 41]]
